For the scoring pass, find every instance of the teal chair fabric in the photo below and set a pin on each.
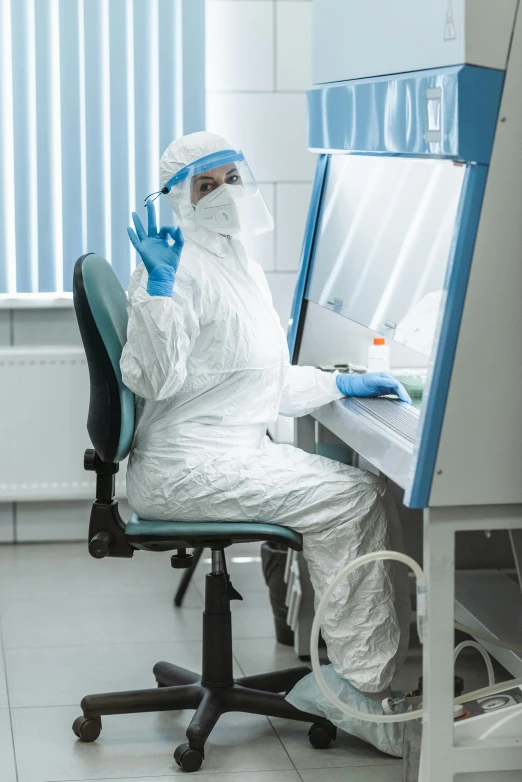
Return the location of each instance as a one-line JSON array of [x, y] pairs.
[[194, 534], [96, 281]]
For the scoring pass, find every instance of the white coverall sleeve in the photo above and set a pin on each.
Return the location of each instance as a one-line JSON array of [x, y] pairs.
[[305, 389], [160, 336]]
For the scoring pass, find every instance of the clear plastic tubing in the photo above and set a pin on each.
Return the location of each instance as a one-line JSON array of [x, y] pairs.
[[485, 655], [421, 615]]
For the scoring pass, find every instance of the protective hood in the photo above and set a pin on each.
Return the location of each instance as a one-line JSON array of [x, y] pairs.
[[193, 167]]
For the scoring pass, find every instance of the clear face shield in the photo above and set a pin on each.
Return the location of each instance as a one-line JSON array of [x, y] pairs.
[[223, 194]]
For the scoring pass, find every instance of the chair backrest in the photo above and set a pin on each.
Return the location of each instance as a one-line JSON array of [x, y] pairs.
[[100, 304]]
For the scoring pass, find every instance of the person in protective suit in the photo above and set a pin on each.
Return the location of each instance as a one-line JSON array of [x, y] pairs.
[[208, 361]]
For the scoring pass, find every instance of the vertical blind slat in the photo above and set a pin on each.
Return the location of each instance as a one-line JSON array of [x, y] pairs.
[[7, 179], [25, 156], [168, 87], [49, 244], [119, 136], [131, 129], [144, 72], [193, 61], [91, 94], [94, 126], [71, 138]]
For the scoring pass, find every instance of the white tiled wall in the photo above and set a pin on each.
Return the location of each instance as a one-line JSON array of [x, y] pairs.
[[258, 71], [240, 46], [270, 128], [290, 217], [293, 45]]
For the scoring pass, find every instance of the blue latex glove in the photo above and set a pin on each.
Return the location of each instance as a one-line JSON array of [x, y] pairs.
[[161, 259], [373, 384]]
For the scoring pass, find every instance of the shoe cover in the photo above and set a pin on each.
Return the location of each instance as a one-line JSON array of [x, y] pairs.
[[308, 696]]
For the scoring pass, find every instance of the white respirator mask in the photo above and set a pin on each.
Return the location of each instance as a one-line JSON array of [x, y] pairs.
[[219, 211], [230, 201]]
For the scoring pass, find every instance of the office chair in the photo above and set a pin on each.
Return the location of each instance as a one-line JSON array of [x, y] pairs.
[[100, 305]]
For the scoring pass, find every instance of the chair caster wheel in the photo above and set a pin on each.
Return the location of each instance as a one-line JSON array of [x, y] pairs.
[[87, 729], [321, 736], [188, 758]]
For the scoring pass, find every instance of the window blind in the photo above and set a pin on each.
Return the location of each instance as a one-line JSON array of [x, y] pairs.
[[91, 93]]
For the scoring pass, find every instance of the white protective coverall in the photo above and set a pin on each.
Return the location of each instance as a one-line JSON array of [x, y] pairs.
[[210, 369]]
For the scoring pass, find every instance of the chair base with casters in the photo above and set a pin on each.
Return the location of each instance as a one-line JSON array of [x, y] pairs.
[[214, 691]]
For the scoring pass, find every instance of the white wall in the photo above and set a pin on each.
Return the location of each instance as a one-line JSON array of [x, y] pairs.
[[258, 71], [23, 521]]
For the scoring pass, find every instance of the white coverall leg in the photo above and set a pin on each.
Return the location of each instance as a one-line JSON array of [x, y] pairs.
[[342, 513], [210, 369]]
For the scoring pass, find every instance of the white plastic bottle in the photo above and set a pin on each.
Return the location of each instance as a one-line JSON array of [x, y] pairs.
[[379, 356]]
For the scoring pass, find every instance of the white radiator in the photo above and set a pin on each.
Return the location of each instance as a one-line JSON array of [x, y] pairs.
[[44, 397]]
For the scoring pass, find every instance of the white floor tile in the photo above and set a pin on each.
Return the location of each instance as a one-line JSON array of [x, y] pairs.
[[345, 752], [97, 619], [30, 572], [248, 62], [255, 599], [368, 774], [261, 655], [4, 703], [7, 761], [139, 745], [61, 676], [251, 622], [104, 621], [240, 776]]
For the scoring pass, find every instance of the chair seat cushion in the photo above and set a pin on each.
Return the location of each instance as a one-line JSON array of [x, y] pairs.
[[168, 535]]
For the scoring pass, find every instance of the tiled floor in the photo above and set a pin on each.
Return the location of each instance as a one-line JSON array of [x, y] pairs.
[[71, 625]]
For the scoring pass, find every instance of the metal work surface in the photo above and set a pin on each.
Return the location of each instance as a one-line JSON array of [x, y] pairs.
[[401, 418], [390, 453]]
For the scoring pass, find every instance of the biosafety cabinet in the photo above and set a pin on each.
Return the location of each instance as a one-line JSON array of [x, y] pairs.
[[414, 234]]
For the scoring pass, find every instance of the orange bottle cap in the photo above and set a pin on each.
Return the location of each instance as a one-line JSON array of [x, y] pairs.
[[379, 341]]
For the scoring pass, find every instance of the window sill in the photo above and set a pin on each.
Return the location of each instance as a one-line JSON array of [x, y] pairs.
[[35, 301]]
